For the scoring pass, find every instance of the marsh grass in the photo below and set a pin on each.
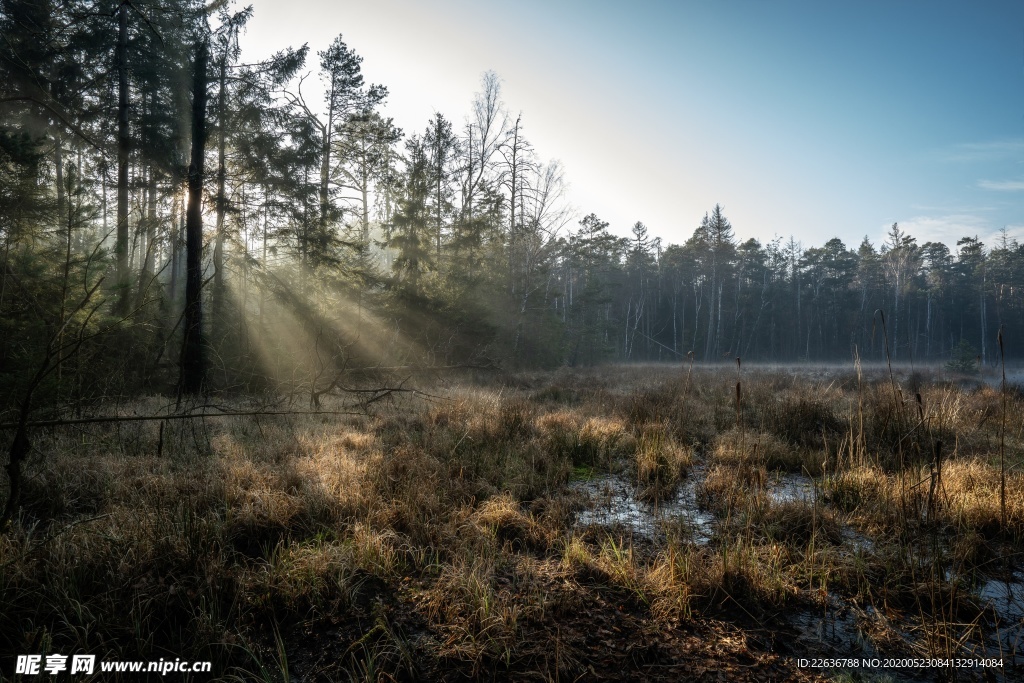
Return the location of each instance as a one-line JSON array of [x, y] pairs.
[[426, 536], [659, 462]]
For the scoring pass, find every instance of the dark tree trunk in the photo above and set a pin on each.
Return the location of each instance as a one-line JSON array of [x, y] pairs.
[[174, 239], [123, 145], [218, 245], [58, 167], [147, 224], [192, 362], [325, 161], [150, 254], [325, 175]]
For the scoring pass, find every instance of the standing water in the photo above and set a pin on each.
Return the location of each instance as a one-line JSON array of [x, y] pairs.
[[612, 501]]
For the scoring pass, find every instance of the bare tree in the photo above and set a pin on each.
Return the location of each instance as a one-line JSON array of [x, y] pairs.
[[485, 132]]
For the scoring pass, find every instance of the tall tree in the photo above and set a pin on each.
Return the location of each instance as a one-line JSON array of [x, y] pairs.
[[715, 238], [973, 280], [485, 132], [341, 73], [227, 48], [193, 365], [407, 229], [442, 146], [123, 151], [366, 142], [900, 256]]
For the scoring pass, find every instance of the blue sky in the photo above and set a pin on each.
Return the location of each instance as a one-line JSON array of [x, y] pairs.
[[811, 119]]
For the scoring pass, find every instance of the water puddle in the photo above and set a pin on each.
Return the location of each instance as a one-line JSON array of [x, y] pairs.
[[860, 543], [1006, 600], [701, 522], [792, 488], [799, 488], [836, 630], [833, 629], [612, 501], [840, 631]]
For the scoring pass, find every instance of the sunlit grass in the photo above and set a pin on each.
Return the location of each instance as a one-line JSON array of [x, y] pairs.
[[455, 518]]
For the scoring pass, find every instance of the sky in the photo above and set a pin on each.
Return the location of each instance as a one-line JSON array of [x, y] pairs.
[[805, 119]]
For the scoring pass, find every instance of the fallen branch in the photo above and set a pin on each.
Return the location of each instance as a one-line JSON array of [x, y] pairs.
[[173, 416]]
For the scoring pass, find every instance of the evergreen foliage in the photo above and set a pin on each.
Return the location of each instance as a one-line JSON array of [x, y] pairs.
[[331, 239]]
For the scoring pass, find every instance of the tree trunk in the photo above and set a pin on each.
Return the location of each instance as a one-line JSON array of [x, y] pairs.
[[58, 167], [192, 363], [175, 246], [221, 202], [711, 314], [123, 146], [149, 257], [325, 163], [365, 218]]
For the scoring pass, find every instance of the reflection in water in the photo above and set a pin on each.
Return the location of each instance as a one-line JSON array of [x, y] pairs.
[[1006, 599], [613, 502], [838, 628]]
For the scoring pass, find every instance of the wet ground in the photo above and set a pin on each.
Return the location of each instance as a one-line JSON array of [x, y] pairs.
[[839, 628], [1004, 602], [612, 501]]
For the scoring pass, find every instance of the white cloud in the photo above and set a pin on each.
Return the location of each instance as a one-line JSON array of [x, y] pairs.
[[1002, 185], [951, 227]]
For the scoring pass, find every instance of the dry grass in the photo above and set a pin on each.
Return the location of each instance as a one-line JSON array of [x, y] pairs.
[[593, 441], [660, 463], [428, 536], [736, 448], [966, 498]]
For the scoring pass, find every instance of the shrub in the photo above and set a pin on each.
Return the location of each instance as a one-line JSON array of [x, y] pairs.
[[964, 358]]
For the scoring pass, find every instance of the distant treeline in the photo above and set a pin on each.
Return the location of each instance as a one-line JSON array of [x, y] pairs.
[[720, 298], [175, 215]]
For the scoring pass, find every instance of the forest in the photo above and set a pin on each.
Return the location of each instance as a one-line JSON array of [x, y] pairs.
[[257, 318], [159, 188]]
